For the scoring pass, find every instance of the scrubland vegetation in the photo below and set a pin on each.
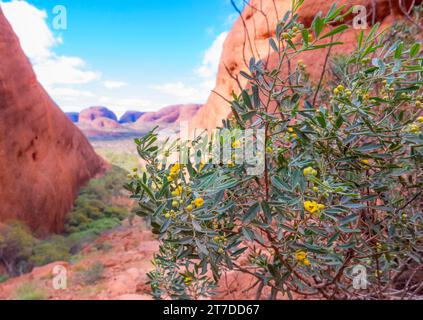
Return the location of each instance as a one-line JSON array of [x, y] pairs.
[[342, 182], [97, 209]]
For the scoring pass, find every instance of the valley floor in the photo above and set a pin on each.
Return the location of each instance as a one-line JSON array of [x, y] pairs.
[[125, 263]]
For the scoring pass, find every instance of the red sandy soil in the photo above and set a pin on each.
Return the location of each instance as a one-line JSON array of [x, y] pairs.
[[126, 266]]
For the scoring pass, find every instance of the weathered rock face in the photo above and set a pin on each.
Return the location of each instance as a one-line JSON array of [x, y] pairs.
[[130, 117], [93, 113], [260, 18], [44, 158]]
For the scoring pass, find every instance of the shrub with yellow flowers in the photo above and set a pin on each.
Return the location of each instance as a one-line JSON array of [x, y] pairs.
[[342, 184]]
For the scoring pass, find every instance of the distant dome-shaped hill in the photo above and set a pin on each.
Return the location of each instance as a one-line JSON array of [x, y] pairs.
[[93, 113], [130, 117], [105, 123], [168, 116]]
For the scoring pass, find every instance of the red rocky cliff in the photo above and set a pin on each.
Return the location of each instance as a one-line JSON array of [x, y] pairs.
[[44, 158]]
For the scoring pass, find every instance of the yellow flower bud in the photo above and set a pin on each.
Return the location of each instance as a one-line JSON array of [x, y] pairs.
[[236, 144], [188, 281], [199, 202]]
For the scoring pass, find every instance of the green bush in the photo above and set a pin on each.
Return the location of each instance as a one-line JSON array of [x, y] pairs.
[[16, 245], [4, 278], [54, 249], [94, 213], [96, 202], [341, 186], [29, 291]]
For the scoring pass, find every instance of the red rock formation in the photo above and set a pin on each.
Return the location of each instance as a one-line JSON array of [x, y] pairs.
[[167, 116], [260, 18], [106, 123], [93, 113], [44, 158]]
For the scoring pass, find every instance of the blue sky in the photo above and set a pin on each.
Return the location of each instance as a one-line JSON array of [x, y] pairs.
[[127, 54]]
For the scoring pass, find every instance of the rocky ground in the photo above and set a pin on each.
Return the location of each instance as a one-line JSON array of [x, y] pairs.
[[125, 266], [126, 263]]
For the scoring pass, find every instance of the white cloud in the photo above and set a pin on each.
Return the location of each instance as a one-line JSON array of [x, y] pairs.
[[64, 70], [71, 93], [120, 106], [114, 84], [38, 41], [177, 89], [29, 24], [133, 103], [211, 58]]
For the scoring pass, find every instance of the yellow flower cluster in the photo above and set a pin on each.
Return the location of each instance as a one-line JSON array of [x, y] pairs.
[[301, 256], [415, 127], [134, 174], [313, 206], [236, 144], [221, 239], [171, 214], [293, 134], [174, 172], [293, 32], [339, 89], [199, 202], [177, 192], [309, 171]]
